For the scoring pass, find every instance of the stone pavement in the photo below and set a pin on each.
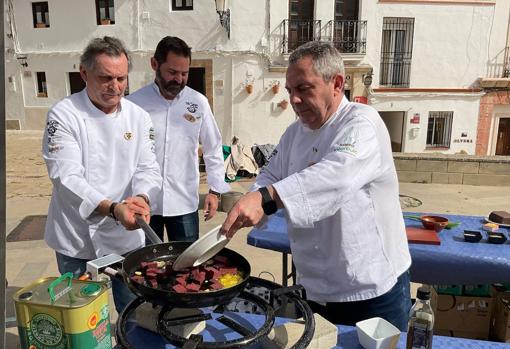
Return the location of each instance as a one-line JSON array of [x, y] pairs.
[[28, 193]]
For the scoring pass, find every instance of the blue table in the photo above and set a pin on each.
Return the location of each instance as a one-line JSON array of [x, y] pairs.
[[347, 339], [453, 262]]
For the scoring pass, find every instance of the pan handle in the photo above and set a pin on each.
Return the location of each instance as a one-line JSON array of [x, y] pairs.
[[149, 233]]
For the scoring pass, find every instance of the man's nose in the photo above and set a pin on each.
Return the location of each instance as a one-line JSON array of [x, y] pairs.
[[294, 99]]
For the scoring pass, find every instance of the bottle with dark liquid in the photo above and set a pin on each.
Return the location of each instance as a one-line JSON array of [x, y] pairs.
[[421, 322]]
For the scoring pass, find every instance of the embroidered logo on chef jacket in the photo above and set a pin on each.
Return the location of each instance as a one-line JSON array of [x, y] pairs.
[[128, 136], [191, 107], [190, 117], [54, 147], [347, 144], [52, 128]]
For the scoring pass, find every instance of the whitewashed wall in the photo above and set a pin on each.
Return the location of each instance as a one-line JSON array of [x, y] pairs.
[[454, 45], [465, 117]]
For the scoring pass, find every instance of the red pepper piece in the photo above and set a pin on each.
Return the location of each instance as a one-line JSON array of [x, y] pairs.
[[224, 271], [179, 288], [193, 287]]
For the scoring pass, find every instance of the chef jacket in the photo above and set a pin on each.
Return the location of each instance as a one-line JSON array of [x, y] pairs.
[[341, 196], [180, 125], [91, 157]]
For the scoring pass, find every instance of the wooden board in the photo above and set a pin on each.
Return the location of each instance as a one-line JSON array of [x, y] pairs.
[[422, 236]]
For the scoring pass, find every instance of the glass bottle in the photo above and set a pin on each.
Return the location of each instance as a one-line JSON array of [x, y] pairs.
[[421, 322]]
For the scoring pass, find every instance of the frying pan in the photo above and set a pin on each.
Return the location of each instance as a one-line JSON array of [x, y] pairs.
[[169, 252]]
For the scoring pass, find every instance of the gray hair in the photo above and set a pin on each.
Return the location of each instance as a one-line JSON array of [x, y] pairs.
[[107, 45], [327, 61]]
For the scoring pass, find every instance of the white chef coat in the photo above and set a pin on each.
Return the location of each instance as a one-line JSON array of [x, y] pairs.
[[180, 125], [91, 157], [340, 191]]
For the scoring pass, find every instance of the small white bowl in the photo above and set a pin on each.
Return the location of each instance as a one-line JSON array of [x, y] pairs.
[[377, 333]]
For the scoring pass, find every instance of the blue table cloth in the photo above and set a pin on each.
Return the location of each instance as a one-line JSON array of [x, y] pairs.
[[453, 262], [347, 338]]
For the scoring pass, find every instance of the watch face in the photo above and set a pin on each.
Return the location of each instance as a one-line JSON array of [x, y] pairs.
[[270, 207]]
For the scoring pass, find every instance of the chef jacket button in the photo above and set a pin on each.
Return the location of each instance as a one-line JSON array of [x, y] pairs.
[[316, 247]]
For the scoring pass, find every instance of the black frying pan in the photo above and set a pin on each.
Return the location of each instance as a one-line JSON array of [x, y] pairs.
[[170, 251]]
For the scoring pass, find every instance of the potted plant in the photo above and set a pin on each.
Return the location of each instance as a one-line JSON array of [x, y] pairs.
[[275, 86], [248, 85]]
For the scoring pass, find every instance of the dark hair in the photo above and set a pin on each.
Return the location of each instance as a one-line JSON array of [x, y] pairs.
[[171, 44], [327, 61], [108, 45]]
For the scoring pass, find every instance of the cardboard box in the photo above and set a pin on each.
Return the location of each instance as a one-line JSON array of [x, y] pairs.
[[477, 290], [500, 326], [455, 290], [462, 316], [501, 322]]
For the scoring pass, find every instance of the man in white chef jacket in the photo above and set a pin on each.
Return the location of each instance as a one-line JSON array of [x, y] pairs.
[[333, 174], [182, 119], [99, 151]]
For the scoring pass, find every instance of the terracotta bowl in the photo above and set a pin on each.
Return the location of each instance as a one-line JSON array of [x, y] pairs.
[[437, 223]]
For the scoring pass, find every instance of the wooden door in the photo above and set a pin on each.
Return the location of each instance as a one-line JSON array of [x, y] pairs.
[[503, 142], [301, 25]]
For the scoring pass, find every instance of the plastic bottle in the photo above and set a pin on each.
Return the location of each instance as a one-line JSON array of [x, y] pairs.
[[421, 322]]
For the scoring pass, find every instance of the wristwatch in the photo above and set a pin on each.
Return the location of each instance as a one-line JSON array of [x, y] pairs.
[[268, 204], [218, 195]]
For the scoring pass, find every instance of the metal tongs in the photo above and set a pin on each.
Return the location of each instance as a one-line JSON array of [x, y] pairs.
[[149, 233]]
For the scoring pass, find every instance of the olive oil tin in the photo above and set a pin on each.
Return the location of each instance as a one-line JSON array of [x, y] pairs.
[[58, 313]]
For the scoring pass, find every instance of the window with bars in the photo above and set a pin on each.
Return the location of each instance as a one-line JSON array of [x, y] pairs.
[[439, 130], [396, 51], [105, 12], [182, 5], [41, 14], [42, 90]]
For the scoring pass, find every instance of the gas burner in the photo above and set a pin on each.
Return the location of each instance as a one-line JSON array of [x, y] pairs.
[[260, 297]]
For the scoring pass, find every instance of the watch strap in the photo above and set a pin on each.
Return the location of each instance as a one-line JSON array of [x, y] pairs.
[[218, 195], [266, 197]]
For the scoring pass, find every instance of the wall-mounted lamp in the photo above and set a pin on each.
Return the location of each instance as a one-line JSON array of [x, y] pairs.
[[224, 14], [367, 79], [23, 61]]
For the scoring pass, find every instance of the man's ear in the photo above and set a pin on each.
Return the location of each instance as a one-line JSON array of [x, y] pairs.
[[83, 73], [154, 64], [338, 82]]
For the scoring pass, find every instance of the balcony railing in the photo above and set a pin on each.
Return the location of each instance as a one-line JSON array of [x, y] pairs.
[[506, 63], [297, 32], [349, 36], [499, 65]]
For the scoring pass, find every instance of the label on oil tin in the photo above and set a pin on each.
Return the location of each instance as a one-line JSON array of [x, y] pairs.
[[46, 332]]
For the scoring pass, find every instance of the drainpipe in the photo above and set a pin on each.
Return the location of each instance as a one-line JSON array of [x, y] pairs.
[[139, 39]]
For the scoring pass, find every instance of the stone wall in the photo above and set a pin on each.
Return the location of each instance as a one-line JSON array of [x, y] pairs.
[[453, 169]]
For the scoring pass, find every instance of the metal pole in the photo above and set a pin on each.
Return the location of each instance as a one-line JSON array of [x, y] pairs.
[[2, 180]]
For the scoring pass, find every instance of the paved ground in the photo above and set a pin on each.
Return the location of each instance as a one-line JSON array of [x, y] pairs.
[[28, 193]]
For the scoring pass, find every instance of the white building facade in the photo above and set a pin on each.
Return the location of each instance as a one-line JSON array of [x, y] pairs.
[[433, 69]]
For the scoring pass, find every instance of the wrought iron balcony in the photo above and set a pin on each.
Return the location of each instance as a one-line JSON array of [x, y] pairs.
[[506, 63], [297, 32], [349, 36], [498, 71]]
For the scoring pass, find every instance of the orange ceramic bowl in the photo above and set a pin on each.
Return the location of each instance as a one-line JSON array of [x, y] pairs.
[[436, 223]]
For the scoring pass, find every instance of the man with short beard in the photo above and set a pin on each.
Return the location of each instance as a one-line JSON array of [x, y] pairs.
[[182, 119]]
